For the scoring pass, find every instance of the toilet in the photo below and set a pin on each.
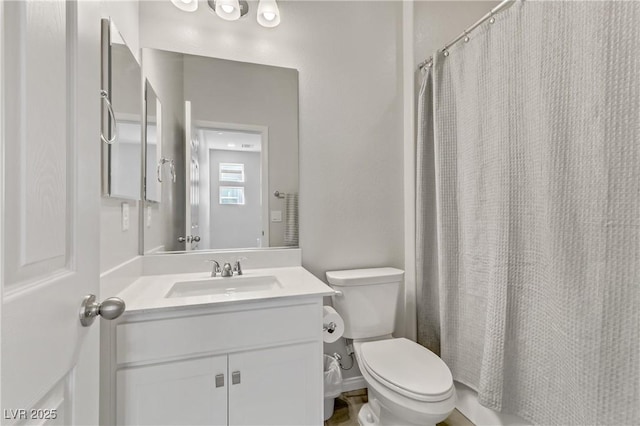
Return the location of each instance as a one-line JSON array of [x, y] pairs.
[[407, 383]]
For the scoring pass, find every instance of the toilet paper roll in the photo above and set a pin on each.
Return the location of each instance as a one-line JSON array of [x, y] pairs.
[[333, 325]]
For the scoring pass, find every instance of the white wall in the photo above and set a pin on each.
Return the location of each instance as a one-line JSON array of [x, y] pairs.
[[117, 246]]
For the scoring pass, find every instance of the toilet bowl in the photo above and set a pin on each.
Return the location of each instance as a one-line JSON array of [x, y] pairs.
[[407, 383]]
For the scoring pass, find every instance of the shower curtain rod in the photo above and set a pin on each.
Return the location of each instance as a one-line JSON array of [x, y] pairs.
[[465, 34]]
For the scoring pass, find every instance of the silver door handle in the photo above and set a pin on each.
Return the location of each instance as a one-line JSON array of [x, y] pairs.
[[109, 309]]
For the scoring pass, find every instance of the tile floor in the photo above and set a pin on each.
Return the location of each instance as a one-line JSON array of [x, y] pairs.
[[348, 404]]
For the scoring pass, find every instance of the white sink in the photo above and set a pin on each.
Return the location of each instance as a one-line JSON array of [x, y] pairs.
[[227, 286]]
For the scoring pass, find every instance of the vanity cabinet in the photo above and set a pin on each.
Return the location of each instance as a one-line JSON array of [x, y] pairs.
[[180, 392], [247, 364]]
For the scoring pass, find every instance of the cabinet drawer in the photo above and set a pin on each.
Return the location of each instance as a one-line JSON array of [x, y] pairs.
[[216, 333]]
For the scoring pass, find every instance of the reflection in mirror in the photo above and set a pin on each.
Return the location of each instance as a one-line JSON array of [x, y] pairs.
[[153, 138], [122, 81], [231, 129]]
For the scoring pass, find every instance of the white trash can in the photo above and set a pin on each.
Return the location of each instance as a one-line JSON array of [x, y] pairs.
[[332, 384]]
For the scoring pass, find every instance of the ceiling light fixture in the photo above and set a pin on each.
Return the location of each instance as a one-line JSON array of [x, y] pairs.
[[268, 13], [186, 5]]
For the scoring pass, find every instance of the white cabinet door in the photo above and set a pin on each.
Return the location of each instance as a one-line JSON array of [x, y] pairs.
[[278, 386], [175, 393], [50, 146]]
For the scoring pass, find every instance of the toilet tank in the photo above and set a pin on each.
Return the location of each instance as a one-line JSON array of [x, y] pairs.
[[368, 300]]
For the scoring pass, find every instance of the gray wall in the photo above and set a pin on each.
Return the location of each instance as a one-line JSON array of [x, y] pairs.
[[235, 226]]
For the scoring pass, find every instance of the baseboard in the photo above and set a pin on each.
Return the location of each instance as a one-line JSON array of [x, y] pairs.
[[353, 383]]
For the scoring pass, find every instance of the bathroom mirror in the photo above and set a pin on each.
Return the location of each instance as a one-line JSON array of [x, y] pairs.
[[153, 138], [122, 116], [230, 135]]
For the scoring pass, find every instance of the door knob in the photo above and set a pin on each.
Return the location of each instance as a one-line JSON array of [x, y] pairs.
[[196, 239], [110, 309], [181, 239]]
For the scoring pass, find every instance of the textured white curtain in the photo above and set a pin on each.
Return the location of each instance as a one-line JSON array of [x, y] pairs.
[[537, 169]]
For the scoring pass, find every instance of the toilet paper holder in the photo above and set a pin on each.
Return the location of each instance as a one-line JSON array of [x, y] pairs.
[[331, 327]]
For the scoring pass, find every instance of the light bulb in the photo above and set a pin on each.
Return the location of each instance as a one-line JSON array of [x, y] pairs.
[[268, 13], [186, 5], [229, 10]]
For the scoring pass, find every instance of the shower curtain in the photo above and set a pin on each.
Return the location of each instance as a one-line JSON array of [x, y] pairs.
[[531, 131]]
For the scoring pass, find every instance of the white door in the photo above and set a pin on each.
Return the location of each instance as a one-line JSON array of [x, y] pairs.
[[283, 386], [49, 110], [192, 392]]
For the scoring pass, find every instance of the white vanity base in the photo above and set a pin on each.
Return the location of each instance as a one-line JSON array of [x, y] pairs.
[[224, 359]]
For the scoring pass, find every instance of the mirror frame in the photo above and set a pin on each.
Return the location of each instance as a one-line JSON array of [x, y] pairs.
[[105, 119]]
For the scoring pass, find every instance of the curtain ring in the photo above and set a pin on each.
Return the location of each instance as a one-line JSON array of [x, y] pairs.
[[466, 37], [493, 18]]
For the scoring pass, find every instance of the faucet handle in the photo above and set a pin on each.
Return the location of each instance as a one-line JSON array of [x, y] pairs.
[[237, 268], [216, 267]]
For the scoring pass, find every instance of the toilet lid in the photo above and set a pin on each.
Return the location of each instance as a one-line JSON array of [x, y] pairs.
[[408, 368]]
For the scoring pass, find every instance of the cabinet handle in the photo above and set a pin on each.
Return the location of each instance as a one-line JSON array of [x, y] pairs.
[[235, 378], [219, 380]]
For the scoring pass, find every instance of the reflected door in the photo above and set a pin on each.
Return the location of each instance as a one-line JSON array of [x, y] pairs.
[[192, 183]]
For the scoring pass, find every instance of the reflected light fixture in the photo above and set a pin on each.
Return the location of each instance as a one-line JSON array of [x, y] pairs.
[[186, 5], [229, 10], [268, 13]]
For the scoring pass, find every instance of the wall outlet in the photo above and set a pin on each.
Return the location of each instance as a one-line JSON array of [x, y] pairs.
[[125, 217], [148, 222]]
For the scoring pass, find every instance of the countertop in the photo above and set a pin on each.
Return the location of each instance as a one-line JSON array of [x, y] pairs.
[[148, 293]]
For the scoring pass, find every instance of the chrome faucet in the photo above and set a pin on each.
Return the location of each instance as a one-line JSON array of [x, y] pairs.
[[226, 270]]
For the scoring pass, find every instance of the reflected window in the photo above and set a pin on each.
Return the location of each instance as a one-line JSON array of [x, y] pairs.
[[232, 195], [231, 172]]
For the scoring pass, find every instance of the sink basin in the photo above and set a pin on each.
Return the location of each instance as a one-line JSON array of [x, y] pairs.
[[227, 286]]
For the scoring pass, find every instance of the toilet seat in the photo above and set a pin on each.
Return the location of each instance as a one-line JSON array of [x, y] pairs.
[[407, 368]]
